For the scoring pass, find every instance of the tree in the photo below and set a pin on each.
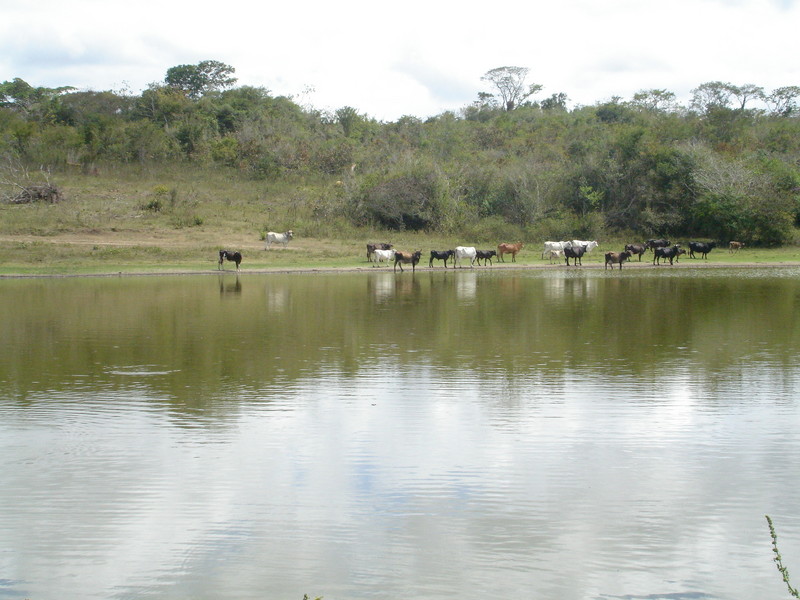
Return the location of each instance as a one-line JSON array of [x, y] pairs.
[[18, 94], [510, 84], [348, 118], [654, 100], [555, 102], [712, 95], [745, 93], [783, 100], [197, 80]]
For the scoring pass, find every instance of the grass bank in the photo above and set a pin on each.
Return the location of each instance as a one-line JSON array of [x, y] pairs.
[[138, 220]]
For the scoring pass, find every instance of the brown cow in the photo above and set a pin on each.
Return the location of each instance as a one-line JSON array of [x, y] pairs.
[[511, 249], [734, 247], [407, 257], [613, 258]]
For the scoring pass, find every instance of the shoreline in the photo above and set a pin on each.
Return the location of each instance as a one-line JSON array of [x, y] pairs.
[[389, 269]]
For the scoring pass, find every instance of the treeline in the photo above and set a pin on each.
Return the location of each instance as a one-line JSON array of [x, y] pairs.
[[725, 167]]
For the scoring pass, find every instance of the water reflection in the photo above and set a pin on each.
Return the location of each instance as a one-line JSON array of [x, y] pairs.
[[381, 286], [230, 286], [416, 435], [466, 287]]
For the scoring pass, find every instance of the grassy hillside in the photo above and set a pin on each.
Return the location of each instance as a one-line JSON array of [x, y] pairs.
[[127, 219]]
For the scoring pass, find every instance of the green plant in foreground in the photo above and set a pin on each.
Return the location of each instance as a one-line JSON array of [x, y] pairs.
[[779, 561]]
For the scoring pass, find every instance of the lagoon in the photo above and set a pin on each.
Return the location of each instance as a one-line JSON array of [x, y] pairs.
[[550, 433]]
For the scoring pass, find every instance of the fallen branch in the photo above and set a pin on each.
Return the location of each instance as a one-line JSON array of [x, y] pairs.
[[37, 193]]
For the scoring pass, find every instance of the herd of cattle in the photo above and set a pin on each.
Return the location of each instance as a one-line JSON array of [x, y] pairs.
[[378, 253], [573, 250]]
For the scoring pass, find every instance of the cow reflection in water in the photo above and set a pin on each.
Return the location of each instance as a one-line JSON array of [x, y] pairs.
[[467, 286], [277, 298], [384, 286], [406, 287], [510, 286], [557, 289], [228, 287], [381, 286]]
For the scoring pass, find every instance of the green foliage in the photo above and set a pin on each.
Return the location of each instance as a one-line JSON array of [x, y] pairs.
[[403, 201], [349, 119], [225, 151], [36, 103], [202, 78], [333, 156], [722, 170]]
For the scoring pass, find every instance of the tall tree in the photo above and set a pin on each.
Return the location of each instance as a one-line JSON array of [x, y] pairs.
[[197, 80], [745, 93], [712, 95], [348, 118], [783, 100], [510, 84]]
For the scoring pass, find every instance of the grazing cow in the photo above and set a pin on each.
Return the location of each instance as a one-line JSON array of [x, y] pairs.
[[554, 246], [277, 238], [484, 255], [613, 258], [463, 252], [372, 247], [224, 255], [575, 253], [407, 257], [444, 255], [551, 254], [637, 249], [589, 245], [670, 253], [703, 248], [734, 247], [383, 256], [661, 243], [511, 249]]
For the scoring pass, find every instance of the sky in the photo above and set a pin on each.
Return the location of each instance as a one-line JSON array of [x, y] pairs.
[[416, 57]]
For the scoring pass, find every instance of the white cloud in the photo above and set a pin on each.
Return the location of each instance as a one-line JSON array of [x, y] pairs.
[[418, 58]]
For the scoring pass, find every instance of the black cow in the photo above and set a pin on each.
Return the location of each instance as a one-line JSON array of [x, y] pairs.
[[662, 243], [670, 253], [372, 247], [444, 255], [224, 255], [637, 249], [703, 248], [575, 253], [407, 257], [485, 255]]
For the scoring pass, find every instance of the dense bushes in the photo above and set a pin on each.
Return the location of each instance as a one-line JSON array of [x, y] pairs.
[[536, 170]]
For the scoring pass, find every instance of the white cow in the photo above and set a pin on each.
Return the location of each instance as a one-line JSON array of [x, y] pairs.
[[277, 238], [465, 252], [383, 256], [589, 245], [551, 254], [554, 246]]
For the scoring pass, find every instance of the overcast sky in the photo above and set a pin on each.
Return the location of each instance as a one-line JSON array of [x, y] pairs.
[[416, 57]]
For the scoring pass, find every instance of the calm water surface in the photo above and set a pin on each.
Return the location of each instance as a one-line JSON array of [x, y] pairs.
[[543, 434]]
